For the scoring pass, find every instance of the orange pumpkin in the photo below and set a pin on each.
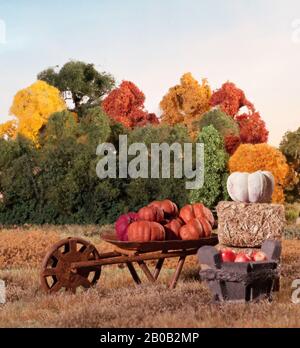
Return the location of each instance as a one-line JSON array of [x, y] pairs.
[[192, 211], [172, 229], [206, 226], [151, 213], [145, 231], [170, 209], [193, 230], [209, 216]]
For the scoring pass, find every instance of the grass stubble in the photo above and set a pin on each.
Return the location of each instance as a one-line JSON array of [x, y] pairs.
[[117, 302]]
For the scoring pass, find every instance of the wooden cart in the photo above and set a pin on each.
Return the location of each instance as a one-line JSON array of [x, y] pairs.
[[73, 262]]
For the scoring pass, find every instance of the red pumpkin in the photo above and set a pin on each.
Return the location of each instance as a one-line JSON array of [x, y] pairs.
[[172, 229], [193, 230], [194, 211], [170, 209], [151, 213], [209, 216], [187, 213], [207, 229], [122, 224], [145, 231]]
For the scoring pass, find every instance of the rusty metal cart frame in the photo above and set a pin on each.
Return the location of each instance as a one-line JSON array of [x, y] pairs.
[[74, 262]]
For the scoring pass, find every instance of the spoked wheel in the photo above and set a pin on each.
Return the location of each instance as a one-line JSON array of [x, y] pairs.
[[57, 273]]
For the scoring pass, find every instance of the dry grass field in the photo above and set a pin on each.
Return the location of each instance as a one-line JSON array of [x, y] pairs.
[[117, 302]]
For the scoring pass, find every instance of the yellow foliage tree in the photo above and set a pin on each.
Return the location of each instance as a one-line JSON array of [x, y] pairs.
[[186, 103], [33, 106], [8, 129], [250, 158]]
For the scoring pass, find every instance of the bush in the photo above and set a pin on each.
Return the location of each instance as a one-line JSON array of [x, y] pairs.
[[292, 232], [57, 182], [292, 212], [290, 147], [215, 169], [222, 122], [140, 192]]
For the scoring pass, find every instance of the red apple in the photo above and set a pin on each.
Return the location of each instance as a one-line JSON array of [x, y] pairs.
[[241, 257], [259, 256], [228, 255]]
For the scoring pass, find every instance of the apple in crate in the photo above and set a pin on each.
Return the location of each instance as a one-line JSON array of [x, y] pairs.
[[259, 256], [241, 257], [228, 255]]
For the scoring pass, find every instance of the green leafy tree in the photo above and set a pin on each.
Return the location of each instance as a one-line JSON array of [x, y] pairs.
[[140, 191], [215, 169], [222, 122], [86, 84], [20, 192], [68, 159], [290, 147]]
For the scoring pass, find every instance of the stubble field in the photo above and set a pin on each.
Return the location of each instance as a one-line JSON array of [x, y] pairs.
[[117, 302]]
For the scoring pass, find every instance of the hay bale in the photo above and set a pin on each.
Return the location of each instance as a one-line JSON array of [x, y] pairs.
[[247, 225]]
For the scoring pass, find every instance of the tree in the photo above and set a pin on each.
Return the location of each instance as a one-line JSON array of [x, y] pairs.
[[8, 129], [125, 104], [251, 158], [140, 192], [252, 128], [215, 169], [223, 123], [230, 99], [290, 147], [33, 106], [86, 84], [186, 103], [227, 127], [232, 142], [18, 185]]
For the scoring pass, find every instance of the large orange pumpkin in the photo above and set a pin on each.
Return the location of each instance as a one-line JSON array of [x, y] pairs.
[[170, 208], [172, 229], [192, 211], [206, 226], [145, 231], [193, 230], [151, 213]]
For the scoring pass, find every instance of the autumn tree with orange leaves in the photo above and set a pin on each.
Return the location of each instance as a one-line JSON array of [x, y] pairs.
[[125, 105], [8, 129], [33, 106], [186, 102], [251, 158]]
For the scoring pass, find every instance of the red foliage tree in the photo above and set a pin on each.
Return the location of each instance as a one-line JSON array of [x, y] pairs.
[[252, 128], [125, 104], [230, 99], [232, 142]]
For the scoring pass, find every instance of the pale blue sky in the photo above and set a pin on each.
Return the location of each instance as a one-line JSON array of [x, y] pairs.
[[154, 42]]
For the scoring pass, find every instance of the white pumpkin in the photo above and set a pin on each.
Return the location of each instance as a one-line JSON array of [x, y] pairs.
[[257, 187]]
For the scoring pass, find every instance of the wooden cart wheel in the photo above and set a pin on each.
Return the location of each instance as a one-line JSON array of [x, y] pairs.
[[56, 273]]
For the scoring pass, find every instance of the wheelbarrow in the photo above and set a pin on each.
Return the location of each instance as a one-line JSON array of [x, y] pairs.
[[75, 263]]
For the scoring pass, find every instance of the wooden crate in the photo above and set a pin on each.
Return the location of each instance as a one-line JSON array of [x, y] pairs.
[[251, 281]]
